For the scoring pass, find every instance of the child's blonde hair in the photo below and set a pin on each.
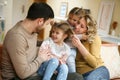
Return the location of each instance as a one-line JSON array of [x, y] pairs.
[[64, 26], [77, 11]]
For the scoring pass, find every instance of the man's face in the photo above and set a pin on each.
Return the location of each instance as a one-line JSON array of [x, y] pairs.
[[44, 24]]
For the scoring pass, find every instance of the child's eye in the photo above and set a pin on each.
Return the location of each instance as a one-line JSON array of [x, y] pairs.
[[78, 22], [57, 32], [74, 20]]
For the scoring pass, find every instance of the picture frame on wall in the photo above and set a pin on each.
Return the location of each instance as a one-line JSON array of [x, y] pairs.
[[105, 16], [63, 9]]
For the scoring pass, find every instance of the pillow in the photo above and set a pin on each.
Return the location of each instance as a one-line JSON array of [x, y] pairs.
[[111, 58]]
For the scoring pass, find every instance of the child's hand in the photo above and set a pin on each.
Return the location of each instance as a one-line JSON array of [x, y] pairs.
[[62, 61]]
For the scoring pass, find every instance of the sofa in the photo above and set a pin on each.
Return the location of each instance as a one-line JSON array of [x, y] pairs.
[[110, 56]]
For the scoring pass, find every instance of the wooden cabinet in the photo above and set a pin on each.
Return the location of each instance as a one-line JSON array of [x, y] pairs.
[[41, 35], [44, 33]]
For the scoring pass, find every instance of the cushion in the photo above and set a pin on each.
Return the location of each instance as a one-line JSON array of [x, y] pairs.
[[111, 58]]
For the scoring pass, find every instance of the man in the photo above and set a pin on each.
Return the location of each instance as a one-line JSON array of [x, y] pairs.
[[20, 58]]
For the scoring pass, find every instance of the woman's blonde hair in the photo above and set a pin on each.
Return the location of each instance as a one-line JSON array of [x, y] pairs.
[[91, 28]]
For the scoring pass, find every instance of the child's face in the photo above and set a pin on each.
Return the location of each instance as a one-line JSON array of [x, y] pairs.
[[58, 35], [73, 19]]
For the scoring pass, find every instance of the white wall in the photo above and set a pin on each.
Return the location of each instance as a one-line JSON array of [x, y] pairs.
[[20, 8], [116, 16], [93, 5], [12, 12], [7, 14]]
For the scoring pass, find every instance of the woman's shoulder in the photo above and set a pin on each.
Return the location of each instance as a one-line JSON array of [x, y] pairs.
[[97, 37]]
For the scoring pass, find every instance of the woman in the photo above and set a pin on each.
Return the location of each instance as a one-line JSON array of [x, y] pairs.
[[88, 59]]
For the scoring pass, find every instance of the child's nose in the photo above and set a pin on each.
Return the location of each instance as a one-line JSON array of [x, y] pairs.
[[76, 27]]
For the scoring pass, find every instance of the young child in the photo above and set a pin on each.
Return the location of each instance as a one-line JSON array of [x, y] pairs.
[[59, 52], [73, 20]]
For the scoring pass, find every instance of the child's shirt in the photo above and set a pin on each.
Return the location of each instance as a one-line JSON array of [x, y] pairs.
[[56, 49]]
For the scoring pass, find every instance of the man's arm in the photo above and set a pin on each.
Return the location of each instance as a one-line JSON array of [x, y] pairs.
[[19, 54]]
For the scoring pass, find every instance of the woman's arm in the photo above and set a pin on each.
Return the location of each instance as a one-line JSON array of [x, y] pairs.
[[92, 54], [77, 43]]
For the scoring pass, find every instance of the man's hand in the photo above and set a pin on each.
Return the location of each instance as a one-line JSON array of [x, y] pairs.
[[45, 53]]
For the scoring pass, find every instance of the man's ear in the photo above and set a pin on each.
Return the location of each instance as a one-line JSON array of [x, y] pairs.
[[40, 21]]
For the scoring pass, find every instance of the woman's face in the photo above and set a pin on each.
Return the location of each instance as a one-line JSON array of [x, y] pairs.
[[81, 27]]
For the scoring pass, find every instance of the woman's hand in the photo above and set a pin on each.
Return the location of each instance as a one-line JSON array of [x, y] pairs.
[[75, 41], [84, 37]]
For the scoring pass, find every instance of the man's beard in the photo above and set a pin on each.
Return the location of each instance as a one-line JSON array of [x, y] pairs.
[[39, 29]]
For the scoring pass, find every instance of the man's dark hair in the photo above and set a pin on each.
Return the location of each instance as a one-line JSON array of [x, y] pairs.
[[40, 10]]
